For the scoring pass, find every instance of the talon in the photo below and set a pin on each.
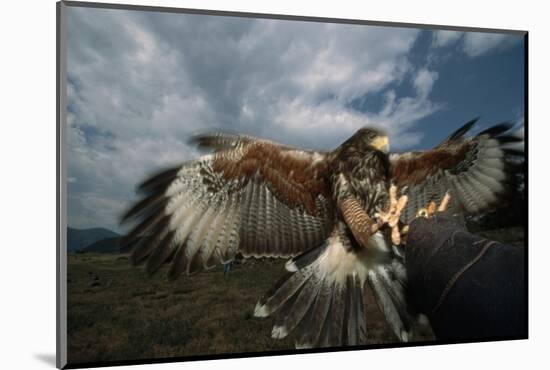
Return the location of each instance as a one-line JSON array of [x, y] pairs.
[[382, 217], [400, 205], [393, 196], [392, 215], [431, 208], [402, 202], [395, 236], [444, 202]]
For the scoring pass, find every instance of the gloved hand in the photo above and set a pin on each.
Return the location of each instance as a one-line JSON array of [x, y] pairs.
[[469, 287]]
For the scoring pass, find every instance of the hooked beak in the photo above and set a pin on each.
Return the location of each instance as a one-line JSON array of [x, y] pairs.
[[381, 143]]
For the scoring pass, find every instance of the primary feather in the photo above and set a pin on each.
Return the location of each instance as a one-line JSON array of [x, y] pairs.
[[473, 170]]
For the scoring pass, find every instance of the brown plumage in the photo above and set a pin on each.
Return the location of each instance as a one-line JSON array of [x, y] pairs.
[[292, 174], [414, 170], [262, 199], [472, 170]]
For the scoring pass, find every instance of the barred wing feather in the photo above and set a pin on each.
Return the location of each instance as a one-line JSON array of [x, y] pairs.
[[473, 170], [252, 197]]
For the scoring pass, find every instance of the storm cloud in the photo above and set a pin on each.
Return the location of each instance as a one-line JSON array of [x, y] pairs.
[[140, 83]]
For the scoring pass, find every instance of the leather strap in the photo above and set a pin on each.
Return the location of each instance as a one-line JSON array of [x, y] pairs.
[[457, 276]]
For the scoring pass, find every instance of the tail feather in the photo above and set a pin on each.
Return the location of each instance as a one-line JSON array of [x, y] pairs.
[[304, 259], [285, 289], [305, 299], [391, 301], [317, 315], [337, 318], [321, 302], [362, 327], [324, 338], [355, 289]]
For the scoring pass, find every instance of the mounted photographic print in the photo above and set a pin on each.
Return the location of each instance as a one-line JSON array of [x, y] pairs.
[[234, 184]]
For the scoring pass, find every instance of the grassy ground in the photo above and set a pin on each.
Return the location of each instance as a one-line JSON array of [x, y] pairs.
[[118, 312]]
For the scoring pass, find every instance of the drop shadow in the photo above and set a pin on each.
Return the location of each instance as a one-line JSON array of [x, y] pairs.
[[47, 358]]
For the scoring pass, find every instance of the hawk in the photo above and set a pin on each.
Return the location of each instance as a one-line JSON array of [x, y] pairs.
[[332, 214]]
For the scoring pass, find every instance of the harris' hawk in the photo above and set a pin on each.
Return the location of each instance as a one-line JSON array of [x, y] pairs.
[[328, 212]]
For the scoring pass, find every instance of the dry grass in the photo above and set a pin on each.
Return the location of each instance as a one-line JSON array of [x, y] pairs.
[[117, 312]]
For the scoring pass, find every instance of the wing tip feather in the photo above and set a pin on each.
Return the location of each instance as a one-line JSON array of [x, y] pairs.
[[497, 129], [279, 332], [261, 310], [290, 266]]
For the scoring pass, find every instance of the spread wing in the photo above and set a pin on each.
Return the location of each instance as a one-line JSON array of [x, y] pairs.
[[250, 196], [473, 170]]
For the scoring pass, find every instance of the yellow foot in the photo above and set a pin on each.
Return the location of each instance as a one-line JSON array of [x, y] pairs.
[[431, 208], [392, 215]]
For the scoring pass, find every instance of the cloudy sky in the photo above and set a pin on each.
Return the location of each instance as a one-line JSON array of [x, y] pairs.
[[139, 84]]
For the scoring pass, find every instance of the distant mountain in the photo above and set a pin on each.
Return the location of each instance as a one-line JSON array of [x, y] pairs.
[[79, 239], [109, 245]]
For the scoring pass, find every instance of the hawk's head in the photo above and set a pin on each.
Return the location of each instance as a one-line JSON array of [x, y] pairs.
[[367, 138]]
